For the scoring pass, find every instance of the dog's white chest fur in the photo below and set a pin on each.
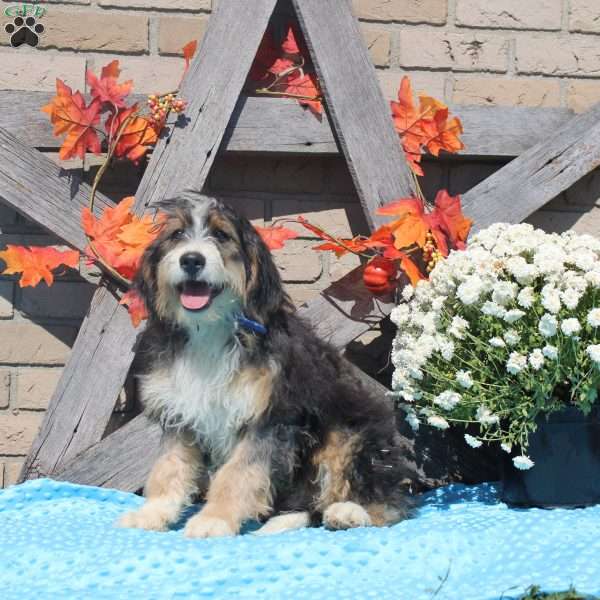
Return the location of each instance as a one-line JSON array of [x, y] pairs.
[[204, 391]]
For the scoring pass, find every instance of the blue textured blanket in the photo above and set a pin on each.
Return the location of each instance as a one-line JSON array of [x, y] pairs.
[[57, 540]]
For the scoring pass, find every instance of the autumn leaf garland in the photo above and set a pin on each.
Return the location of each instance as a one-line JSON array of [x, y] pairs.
[[118, 237]]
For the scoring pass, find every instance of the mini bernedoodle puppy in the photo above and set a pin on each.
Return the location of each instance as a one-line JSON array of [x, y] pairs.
[[262, 419]]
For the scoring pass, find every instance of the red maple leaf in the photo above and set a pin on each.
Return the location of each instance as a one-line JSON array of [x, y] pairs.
[[298, 83], [276, 236], [136, 136], [135, 306], [107, 88], [451, 220], [188, 53]]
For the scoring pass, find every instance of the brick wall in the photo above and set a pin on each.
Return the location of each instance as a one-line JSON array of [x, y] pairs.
[[509, 52]]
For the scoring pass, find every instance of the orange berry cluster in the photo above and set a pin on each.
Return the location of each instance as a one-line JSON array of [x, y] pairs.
[[161, 106], [431, 254]]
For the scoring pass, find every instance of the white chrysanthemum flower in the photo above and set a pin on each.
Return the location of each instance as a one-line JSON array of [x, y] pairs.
[[516, 363], [458, 327], [526, 297], [575, 280], [485, 416], [585, 259], [472, 441], [550, 258], [593, 278], [438, 303], [506, 447], [493, 309], [464, 379], [413, 420], [523, 462], [513, 315], [593, 352], [593, 317], [497, 342], [536, 359], [400, 314], [438, 422], [407, 292], [511, 337], [446, 347], [447, 399], [504, 292], [551, 298], [426, 345], [570, 326], [570, 298], [470, 290], [521, 270], [548, 325], [550, 352]]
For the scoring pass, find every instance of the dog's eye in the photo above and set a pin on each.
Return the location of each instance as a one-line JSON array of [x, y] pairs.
[[221, 236], [178, 234]]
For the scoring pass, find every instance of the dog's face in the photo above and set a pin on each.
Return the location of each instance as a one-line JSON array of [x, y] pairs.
[[207, 264]]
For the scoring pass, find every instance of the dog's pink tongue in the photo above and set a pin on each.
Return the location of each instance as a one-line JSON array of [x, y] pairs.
[[195, 296]]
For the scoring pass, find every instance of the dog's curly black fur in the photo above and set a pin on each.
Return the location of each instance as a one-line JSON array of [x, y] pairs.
[[318, 436]]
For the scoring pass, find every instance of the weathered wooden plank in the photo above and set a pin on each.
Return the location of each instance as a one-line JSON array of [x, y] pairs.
[[357, 111], [276, 125], [43, 192], [539, 174], [122, 460], [181, 159], [212, 88], [281, 126], [83, 401]]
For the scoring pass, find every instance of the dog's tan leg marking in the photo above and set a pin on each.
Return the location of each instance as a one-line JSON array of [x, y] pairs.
[[240, 490], [344, 515], [171, 484], [286, 522], [382, 514], [333, 460]]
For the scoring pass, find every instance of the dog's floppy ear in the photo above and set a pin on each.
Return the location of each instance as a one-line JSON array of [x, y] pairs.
[[264, 290], [144, 282]]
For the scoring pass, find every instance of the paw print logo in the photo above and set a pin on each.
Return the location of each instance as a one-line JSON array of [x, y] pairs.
[[24, 31]]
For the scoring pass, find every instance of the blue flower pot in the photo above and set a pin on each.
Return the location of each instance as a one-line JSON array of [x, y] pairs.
[[566, 452]]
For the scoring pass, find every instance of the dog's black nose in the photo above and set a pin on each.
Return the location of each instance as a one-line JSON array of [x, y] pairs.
[[192, 262]]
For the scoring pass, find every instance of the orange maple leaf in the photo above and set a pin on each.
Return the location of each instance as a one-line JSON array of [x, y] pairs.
[[276, 236], [36, 263], [69, 114], [135, 306], [107, 88], [136, 136], [120, 237], [426, 127], [412, 225], [356, 245], [412, 271]]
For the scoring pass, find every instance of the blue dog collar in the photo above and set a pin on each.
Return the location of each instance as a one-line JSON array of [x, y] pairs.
[[251, 325]]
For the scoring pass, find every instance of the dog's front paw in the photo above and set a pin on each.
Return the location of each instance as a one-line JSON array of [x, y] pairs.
[[344, 515], [144, 518], [202, 526]]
